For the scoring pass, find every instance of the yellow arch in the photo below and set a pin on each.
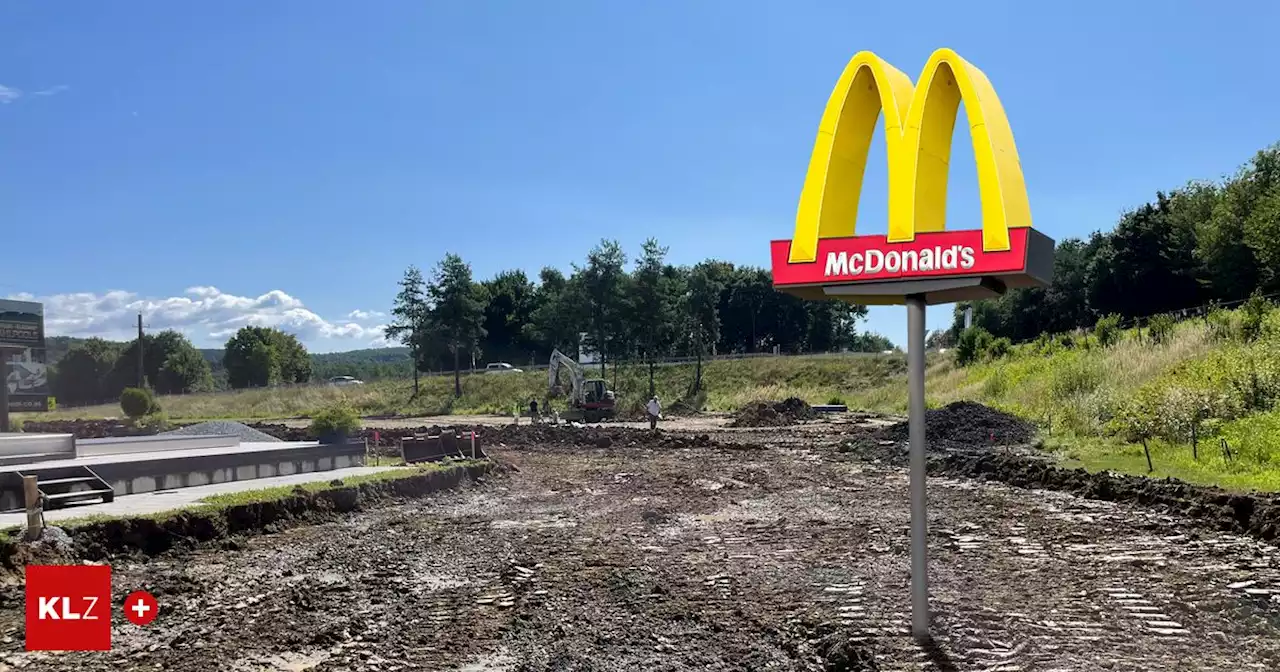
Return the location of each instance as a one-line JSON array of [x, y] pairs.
[[919, 123]]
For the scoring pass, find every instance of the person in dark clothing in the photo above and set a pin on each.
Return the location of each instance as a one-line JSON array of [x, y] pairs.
[[533, 409]]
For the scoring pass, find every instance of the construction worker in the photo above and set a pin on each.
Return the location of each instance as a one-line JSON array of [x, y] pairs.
[[654, 409]]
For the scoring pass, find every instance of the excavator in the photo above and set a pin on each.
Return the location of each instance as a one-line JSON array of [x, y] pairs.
[[589, 400]]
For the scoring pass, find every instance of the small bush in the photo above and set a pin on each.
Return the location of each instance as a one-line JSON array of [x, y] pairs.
[[137, 402], [1108, 330], [1076, 376], [972, 345], [1044, 344], [339, 419], [1220, 327], [1253, 314], [1160, 329], [1065, 341], [836, 401], [998, 347]]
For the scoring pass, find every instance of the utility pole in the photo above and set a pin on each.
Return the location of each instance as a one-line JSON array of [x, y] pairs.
[[141, 374]]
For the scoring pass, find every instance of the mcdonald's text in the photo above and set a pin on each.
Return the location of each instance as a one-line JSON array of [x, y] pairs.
[[870, 258]]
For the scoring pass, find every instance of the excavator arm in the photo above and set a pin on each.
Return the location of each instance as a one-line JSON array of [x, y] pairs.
[[559, 361]]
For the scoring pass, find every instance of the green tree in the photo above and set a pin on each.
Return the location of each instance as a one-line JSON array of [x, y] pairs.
[[457, 311], [652, 306], [603, 280], [557, 312], [411, 324], [157, 349], [185, 370], [702, 308], [264, 356], [82, 376], [509, 310], [749, 293]]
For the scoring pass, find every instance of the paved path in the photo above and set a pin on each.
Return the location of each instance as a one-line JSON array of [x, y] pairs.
[[167, 500]]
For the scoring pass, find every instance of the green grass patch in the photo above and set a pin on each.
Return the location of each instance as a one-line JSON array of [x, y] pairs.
[[1170, 460]]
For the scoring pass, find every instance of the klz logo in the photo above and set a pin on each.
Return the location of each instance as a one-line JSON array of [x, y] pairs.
[[68, 608]]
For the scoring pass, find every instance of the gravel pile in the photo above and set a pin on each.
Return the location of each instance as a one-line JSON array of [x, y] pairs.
[[246, 433]]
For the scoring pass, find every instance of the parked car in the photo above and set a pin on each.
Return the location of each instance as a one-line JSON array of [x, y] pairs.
[[501, 367], [345, 380]]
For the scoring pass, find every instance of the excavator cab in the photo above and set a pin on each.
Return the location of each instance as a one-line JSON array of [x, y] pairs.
[[597, 400]]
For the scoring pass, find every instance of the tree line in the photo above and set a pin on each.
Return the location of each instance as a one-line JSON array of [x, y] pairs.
[[1203, 243], [96, 370], [639, 310]]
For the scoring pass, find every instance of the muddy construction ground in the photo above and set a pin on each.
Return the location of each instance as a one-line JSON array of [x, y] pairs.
[[762, 549]]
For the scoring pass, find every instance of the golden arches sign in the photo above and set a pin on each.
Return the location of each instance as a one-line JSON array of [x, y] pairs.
[[919, 122]]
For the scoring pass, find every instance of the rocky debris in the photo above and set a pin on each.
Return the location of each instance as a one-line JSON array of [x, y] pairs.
[[967, 424], [789, 411], [85, 429], [246, 433]]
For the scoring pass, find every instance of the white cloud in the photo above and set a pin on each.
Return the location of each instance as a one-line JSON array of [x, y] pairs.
[[206, 315], [8, 94]]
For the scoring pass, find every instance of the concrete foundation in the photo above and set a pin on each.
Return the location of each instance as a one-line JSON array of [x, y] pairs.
[[146, 464]]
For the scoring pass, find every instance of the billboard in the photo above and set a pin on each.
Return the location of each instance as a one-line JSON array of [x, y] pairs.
[[825, 259], [23, 350]]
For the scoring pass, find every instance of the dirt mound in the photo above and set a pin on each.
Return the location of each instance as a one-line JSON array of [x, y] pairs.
[[967, 424], [789, 411]]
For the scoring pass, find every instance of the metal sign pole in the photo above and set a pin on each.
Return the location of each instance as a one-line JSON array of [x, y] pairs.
[[916, 455]]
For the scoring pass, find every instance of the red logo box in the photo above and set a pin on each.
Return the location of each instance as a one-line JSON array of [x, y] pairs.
[[68, 608]]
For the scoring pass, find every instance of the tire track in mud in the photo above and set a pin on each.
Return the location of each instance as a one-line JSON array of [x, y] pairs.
[[1113, 577]]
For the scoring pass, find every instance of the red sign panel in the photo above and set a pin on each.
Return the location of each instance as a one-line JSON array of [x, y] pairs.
[[68, 608], [942, 254]]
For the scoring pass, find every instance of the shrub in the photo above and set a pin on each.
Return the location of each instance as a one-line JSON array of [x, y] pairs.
[[1160, 329], [137, 402], [1108, 330], [1044, 344], [998, 347], [1077, 375], [1252, 316], [1219, 324], [972, 345], [1065, 341], [1139, 419], [339, 419], [836, 401]]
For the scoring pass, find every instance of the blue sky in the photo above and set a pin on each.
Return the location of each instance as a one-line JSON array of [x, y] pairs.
[[297, 156]]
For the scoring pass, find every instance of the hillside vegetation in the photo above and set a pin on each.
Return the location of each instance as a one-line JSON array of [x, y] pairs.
[[1184, 387]]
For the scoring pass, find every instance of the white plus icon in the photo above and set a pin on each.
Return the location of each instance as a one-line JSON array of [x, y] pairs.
[[141, 608]]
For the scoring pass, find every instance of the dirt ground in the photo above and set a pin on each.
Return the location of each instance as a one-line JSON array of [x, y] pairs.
[[785, 555]]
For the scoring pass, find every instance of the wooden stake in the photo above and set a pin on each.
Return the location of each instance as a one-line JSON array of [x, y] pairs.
[[35, 516]]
